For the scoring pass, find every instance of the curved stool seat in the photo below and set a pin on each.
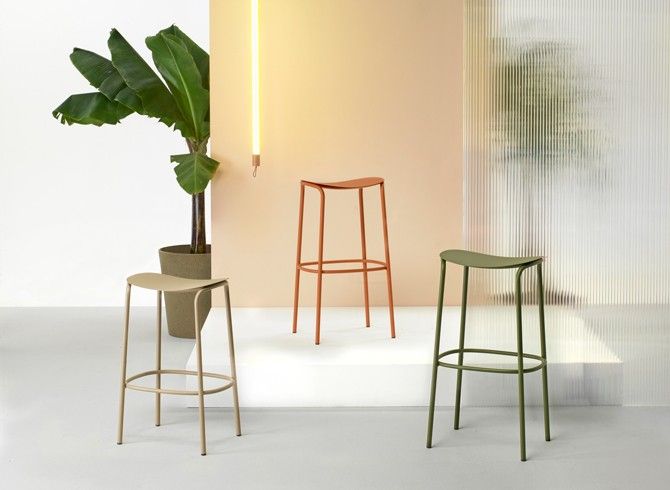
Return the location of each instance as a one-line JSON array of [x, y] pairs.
[[367, 265], [346, 184], [469, 259], [166, 283], [485, 261]]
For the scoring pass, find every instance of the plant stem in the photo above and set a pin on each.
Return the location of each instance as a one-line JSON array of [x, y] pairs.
[[193, 215], [198, 236], [198, 232]]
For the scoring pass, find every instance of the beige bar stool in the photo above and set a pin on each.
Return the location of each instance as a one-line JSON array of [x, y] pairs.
[[164, 283]]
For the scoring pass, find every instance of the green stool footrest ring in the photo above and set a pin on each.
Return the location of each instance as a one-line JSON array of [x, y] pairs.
[[537, 367]]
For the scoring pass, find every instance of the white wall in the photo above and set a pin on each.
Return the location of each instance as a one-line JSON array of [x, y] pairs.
[[82, 207]]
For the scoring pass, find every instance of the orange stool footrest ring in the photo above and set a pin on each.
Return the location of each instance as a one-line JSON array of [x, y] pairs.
[[303, 266]]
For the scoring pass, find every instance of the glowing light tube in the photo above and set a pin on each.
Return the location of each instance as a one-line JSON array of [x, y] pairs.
[[255, 90]]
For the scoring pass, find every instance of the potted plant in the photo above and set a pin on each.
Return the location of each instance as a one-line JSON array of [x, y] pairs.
[[126, 84]]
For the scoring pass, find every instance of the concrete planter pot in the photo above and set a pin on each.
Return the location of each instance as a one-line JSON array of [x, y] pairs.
[[177, 261]]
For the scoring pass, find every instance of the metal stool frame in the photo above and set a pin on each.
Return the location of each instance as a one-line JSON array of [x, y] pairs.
[[519, 354], [378, 265], [200, 392]]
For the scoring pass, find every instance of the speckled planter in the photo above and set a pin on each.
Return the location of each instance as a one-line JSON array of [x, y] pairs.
[[177, 261]]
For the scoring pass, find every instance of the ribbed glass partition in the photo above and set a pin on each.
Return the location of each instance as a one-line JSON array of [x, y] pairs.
[[567, 155]]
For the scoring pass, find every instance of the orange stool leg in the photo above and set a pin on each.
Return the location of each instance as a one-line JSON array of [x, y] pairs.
[[388, 258], [365, 256], [319, 276], [298, 258]]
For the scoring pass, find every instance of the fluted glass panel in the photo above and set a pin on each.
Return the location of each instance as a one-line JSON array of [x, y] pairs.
[[567, 155]]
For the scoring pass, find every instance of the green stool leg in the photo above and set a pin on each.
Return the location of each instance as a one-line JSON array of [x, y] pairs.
[[519, 347], [436, 353], [461, 345], [543, 353]]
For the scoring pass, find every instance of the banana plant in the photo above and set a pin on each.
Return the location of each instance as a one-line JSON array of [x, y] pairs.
[[126, 84]]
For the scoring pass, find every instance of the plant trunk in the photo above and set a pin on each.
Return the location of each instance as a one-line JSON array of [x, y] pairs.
[[198, 234]]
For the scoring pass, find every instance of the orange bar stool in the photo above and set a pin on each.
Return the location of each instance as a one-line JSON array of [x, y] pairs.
[[367, 265]]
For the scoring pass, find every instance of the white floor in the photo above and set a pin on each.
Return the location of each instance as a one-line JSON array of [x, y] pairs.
[[356, 366], [58, 407]]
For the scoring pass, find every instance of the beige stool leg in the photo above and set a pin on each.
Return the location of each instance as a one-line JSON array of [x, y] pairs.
[[158, 355], [124, 361], [201, 397], [231, 352]]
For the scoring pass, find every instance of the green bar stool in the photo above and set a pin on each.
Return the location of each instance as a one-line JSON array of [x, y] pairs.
[[482, 261]]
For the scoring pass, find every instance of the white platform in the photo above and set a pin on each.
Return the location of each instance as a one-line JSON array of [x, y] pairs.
[[358, 366]]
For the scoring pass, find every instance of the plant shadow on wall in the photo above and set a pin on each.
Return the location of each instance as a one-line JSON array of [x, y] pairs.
[[541, 132], [125, 85]]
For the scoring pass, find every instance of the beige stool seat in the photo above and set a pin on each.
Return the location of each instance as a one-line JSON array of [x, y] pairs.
[[162, 283]]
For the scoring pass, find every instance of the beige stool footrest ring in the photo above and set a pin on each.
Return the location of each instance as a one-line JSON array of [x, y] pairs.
[[167, 391]]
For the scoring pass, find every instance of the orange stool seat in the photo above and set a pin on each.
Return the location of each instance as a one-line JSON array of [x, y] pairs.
[[347, 184], [332, 266]]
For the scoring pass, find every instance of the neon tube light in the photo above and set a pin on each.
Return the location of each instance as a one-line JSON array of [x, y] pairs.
[[255, 90]]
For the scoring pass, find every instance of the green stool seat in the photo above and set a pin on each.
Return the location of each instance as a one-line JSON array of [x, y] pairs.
[[485, 261], [469, 259]]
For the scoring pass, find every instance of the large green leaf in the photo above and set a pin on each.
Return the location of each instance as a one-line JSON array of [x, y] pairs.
[[129, 98], [101, 73], [194, 171], [92, 108], [95, 68], [181, 74], [199, 55], [157, 100]]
